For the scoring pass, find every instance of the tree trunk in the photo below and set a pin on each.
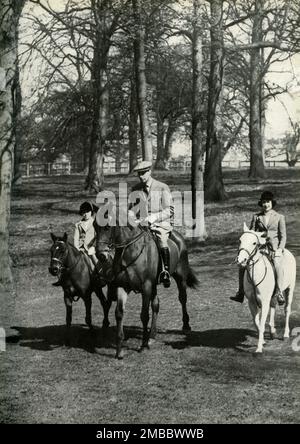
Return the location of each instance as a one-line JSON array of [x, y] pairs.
[[257, 163], [100, 94], [160, 152], [169, 137], [133, 123], [214, 186], [139, 53], [9, 16], [198, 230], [17, 97], [118, 151]]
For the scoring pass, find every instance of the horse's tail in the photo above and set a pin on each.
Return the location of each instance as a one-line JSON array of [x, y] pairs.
[[191, 279]]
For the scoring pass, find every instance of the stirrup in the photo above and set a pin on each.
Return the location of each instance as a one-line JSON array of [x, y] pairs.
[[164, 278], [239, 297]]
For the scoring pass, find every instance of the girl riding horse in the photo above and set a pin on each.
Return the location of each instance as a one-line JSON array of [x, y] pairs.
[[272, 224], [84, 234]]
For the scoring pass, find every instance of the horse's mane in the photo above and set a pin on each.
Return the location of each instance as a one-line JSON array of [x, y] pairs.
[[68, 244]]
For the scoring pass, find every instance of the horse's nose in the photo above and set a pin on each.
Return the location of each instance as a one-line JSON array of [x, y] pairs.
[[241, 260], [103, 256], [53, 269]]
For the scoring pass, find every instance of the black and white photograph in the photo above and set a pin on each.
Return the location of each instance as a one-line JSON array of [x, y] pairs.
[[150, 215]]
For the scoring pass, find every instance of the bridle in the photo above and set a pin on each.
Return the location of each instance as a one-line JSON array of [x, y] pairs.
[[251, 263], [253, 252], [111, 245], [61, 262]]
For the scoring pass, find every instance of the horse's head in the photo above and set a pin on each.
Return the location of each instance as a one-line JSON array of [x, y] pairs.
[[59, 252], [249, 243], [115, 227], [104, 223]]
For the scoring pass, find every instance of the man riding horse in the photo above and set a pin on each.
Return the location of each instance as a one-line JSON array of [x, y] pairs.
[[156, 209]]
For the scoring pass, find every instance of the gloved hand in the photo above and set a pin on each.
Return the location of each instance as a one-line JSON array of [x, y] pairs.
[[150, 219], [91, 251]]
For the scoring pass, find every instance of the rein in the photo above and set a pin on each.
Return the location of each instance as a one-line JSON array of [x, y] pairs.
[[136, 238], [61, 262], [64, 269], [250, 264], [124, 246], [253, 253]]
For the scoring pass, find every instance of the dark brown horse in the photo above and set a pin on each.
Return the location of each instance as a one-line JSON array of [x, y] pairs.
[[136, 267], [77, 279]]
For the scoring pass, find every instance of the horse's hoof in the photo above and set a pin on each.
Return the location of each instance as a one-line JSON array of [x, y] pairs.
[[144, 347], [186, 328], [151, 341], [120, 355]]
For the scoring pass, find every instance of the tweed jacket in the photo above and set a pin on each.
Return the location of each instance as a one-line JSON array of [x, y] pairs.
[[156, 201], [85, 235], [275, 228]]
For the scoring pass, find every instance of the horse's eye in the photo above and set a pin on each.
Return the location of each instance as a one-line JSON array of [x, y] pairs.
[[254, 243]]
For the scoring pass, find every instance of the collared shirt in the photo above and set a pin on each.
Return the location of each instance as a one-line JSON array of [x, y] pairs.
[[147, 186]]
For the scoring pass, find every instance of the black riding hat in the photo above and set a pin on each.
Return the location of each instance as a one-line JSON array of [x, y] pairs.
[[85, 207], [267, 195]]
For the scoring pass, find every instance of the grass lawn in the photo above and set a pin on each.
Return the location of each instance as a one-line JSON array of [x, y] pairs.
[[206, 376]]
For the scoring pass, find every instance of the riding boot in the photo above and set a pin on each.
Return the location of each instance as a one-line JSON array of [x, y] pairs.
[[239, 297], [278, 295], [98, 270], [165, 275], [57, 284]]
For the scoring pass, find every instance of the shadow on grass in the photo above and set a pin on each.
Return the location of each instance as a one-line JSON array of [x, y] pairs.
[[80, 336], [220, 338]]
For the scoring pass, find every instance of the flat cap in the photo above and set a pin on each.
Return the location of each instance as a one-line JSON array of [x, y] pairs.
[[145, 165]]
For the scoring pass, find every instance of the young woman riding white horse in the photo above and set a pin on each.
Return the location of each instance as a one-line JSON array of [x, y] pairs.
[[272, 225], [259, 276]]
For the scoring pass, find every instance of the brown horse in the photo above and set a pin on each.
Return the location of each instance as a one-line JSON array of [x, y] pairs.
[[136, 267], [77, 279]]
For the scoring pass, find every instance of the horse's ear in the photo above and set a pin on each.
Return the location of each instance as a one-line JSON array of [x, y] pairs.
[[245, 227], [53, 237], [65, 237]]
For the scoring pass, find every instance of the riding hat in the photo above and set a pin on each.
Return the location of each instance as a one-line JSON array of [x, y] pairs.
[[266, 196], [143, 166], [85, 207]]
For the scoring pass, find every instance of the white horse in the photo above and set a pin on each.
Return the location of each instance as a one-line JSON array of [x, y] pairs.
[[259, 282]]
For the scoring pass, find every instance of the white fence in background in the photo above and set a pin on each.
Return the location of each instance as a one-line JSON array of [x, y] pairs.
[[59, 169]]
